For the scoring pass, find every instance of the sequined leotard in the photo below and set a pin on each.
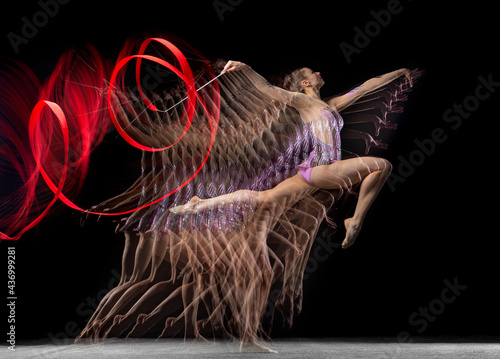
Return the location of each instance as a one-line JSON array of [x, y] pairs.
[[330, 122]]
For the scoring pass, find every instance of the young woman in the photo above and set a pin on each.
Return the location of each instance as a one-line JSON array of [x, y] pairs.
[[323, 169], [224, 264]]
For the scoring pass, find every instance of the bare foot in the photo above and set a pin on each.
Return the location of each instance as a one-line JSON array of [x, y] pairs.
[[255, 347], [188, 207], [352, 231], [141, 326]]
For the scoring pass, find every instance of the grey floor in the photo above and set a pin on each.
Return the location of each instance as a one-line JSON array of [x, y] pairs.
[[302, 348]]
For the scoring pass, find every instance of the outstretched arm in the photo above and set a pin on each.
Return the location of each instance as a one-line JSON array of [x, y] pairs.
[[341, 102], [293, 99]]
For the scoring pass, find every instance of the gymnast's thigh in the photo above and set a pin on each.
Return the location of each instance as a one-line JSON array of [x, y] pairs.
[[343, 173], [288, 189]]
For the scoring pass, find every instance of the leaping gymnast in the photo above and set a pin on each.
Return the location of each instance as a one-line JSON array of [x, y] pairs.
[[324, 168]]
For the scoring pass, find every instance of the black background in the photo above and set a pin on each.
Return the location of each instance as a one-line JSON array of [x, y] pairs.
[[439, 224]]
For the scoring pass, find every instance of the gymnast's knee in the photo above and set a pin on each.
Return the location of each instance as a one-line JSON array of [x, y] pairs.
[[385, 167], [378, 164]]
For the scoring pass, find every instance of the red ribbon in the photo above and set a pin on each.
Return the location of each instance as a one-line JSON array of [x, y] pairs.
[[186, 75], [35, 116]]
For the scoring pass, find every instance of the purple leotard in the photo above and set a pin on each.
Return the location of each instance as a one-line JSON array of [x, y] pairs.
[[323, 153]]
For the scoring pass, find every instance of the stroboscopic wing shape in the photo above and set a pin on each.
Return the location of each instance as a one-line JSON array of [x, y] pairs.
[[368, 115]]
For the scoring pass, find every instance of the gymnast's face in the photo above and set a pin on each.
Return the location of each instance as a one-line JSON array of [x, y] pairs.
[[312, 79]]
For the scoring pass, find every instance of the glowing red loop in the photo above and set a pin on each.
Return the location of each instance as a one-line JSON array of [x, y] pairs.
[[35, 116], [186, 69], [186, 75]]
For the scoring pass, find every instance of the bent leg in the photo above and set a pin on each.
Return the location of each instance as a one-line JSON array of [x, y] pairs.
[[372, 172]]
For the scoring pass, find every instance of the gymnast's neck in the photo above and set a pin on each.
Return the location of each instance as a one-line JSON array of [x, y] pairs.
[[312, 92]]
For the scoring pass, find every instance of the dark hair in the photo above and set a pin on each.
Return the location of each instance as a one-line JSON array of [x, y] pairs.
[[292, 82]]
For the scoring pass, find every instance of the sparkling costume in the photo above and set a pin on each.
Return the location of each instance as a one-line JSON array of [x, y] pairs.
[[322, 153]]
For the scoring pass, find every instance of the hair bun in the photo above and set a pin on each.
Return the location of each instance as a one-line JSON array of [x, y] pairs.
[[292, 82]]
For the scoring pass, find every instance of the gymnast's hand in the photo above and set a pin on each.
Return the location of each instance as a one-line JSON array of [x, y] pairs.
[[371, 142], [234, 65], [411, 75], [407, 74]]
